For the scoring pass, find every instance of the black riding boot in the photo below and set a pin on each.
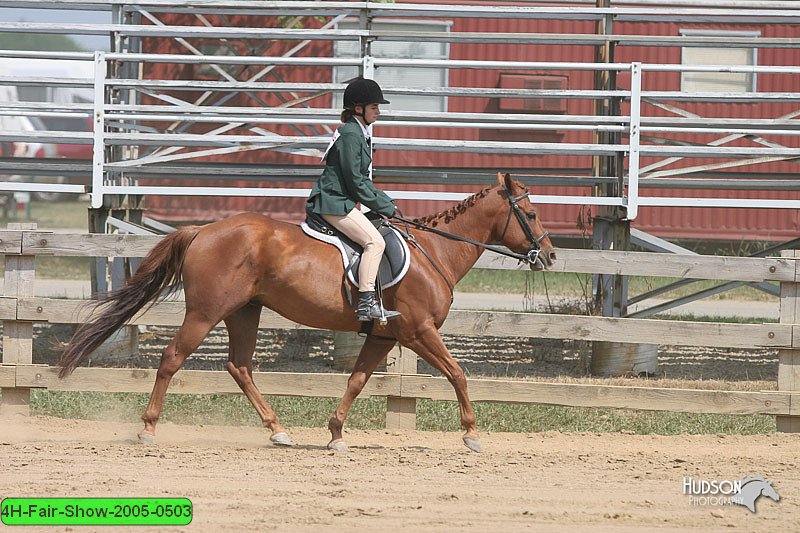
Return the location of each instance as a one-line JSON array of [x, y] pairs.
[[369, 308]]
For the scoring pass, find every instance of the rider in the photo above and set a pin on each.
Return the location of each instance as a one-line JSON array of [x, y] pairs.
[[347, 181]]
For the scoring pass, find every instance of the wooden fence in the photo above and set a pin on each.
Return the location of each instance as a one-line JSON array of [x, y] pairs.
[[401, 384]]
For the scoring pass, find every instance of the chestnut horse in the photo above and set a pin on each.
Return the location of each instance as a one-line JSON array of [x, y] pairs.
[[232, 268]]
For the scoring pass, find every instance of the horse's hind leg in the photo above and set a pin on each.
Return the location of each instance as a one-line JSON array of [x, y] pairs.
[[242, 333], [371, 353], [191, 333], [428, 344]]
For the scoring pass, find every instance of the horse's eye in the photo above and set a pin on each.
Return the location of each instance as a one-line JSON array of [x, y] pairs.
[[531, 215]]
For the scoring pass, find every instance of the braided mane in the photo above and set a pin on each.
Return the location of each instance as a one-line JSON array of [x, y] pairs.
[[449, 214]]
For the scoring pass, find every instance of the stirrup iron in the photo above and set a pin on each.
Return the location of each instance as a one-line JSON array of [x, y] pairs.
[[370, 309]]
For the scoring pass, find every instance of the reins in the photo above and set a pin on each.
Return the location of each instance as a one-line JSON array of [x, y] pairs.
[[452, 236], [530, 257]]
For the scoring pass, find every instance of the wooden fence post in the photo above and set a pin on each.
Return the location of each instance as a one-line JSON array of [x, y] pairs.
[[18, 335], [789, 359], [401, 413]]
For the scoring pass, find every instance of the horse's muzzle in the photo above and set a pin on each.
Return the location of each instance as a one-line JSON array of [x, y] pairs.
[[539, 259]]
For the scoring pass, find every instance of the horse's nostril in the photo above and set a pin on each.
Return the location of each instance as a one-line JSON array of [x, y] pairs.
[[552, 256]]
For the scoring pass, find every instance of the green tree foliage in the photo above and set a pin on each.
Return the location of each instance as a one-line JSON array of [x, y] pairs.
[[38, 42]]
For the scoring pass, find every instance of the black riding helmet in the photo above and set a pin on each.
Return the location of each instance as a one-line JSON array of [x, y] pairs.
[[362, 91]]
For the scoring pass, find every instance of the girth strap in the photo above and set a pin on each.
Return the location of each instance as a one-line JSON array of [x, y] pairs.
[[408, 236]]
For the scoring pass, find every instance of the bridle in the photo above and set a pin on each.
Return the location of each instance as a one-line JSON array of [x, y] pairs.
[[534, 249]]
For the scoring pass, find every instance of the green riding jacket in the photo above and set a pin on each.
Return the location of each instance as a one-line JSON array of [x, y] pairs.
[[345, 180]]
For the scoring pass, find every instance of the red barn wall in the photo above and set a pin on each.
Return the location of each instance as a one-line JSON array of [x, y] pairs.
[[698, 223]]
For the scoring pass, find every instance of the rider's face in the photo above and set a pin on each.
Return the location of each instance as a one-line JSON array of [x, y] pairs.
[[371, 113]]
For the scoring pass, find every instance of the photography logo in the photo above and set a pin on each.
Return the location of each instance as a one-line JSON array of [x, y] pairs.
[[745, 491]]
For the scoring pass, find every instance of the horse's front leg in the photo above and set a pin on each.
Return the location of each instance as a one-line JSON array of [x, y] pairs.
[[370, 355], [428, 344]]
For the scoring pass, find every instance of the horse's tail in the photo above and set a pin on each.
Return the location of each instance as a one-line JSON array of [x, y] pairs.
[[159, 271]]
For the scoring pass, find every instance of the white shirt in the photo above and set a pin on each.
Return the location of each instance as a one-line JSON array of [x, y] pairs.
[[367, 131]]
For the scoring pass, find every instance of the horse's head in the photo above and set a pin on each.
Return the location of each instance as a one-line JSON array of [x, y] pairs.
[[769, 491], [752, 488], [521, 230]]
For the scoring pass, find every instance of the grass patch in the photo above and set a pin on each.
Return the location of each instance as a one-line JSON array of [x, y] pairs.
[[691, 317], [214, 409], [235, 410], [66, 268], [54, 215], [59, 216], [580, 285], [60, 268], [433, 416]]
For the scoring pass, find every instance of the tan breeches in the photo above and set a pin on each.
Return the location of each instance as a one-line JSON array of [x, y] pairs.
[[356, 226]]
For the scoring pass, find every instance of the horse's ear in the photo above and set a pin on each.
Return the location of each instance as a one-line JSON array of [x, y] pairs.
[[504, 179]]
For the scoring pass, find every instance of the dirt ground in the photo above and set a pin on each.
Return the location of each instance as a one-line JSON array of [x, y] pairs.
[[418, 481], [415, 481]]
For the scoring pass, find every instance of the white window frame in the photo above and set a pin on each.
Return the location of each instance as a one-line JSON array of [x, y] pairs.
[[721, 33], [444, 25]]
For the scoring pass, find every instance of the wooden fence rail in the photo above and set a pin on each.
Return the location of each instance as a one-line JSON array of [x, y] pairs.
[[569, 260], [401, 384], [465, 322]]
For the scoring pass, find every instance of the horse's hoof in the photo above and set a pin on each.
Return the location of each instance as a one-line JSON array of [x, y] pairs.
[[473, 444], [281, 439], [338, 446], [146, 438]]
